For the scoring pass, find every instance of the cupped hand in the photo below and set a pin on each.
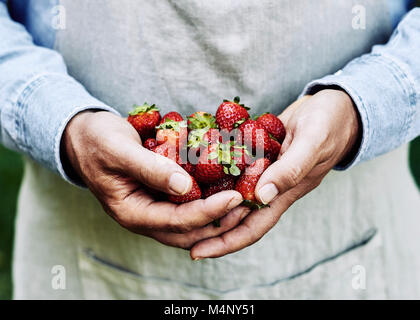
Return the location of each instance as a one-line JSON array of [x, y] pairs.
[[321, 131], [105, 151]]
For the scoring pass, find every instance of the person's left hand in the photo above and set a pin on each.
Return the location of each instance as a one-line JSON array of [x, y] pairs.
[[321, 131]]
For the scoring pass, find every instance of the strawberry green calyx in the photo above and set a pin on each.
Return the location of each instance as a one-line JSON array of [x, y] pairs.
[[143, 109], [258, 116], [272, 137], [225, 156], [201, 121], [195, 138], [237, 100], [171, 124], [254, 205], [238, 154], [232, 169], [238, 123]]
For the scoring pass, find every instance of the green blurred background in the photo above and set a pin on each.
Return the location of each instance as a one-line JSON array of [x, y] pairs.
[[10, 176]]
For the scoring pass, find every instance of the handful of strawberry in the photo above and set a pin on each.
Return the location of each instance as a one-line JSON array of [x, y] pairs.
[[222, 152]]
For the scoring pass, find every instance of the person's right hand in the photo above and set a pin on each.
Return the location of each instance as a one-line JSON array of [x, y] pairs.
[[106, 152]]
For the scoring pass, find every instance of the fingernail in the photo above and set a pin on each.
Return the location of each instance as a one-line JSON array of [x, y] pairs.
[[268, 193], [234, 202], [197, 259], [179, 183]]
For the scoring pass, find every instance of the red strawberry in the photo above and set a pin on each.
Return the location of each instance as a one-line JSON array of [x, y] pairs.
[[201, 137], [226, 183], [150, 143], [198, 139], [173, 132], [174, 116], [274, 151], [201, 120], [255, 136], [248, 181], [194, 153], [229, 113], [241, 157], [189, 167], [144, 119], [216, 161], [273, 125], [208, 169], [194, 194], [212, 136], [167, 150]]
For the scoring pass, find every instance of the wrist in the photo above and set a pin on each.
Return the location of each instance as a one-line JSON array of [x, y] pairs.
[[69, 143], [346, 126], [353, 126]]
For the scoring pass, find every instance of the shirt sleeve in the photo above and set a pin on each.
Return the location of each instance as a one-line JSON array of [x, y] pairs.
[[385, 88], [37, 96]]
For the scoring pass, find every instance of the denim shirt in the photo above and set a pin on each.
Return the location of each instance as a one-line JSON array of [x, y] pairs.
[[38, 98]]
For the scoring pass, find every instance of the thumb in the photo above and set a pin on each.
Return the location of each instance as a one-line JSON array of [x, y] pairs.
[[156, 171], [287, 172]]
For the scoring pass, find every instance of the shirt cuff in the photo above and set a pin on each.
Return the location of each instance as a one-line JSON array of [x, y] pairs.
[[384, 95], [36, 118]]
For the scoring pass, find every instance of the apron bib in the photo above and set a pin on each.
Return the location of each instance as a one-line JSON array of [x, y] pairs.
[[187, 56]]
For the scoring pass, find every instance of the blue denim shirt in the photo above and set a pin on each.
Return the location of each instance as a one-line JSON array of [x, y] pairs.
[[38, 98]]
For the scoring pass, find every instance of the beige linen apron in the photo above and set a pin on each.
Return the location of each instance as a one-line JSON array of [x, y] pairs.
[[356, 236]]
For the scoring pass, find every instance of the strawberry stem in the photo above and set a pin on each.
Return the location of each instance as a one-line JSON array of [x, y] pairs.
[[254, 205], [216, 223]]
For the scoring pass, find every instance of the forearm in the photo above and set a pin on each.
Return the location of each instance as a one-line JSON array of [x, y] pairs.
[[385, 88], [37, 96]]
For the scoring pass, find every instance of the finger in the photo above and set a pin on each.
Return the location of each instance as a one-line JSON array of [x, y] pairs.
[[286, 143], [154, 170], [252, 229], [287, 172], [139, 212], [187, 240]]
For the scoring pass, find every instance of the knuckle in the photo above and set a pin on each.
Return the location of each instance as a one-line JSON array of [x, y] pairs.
[[317, 183], [147, 175], [210, 215], [125, 217], [175, 241], [178, 225], [125, 222], [227, 243], [301, 123], [207, 211], [182, 243], [292, 177], [185, 243], [114, 208]]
